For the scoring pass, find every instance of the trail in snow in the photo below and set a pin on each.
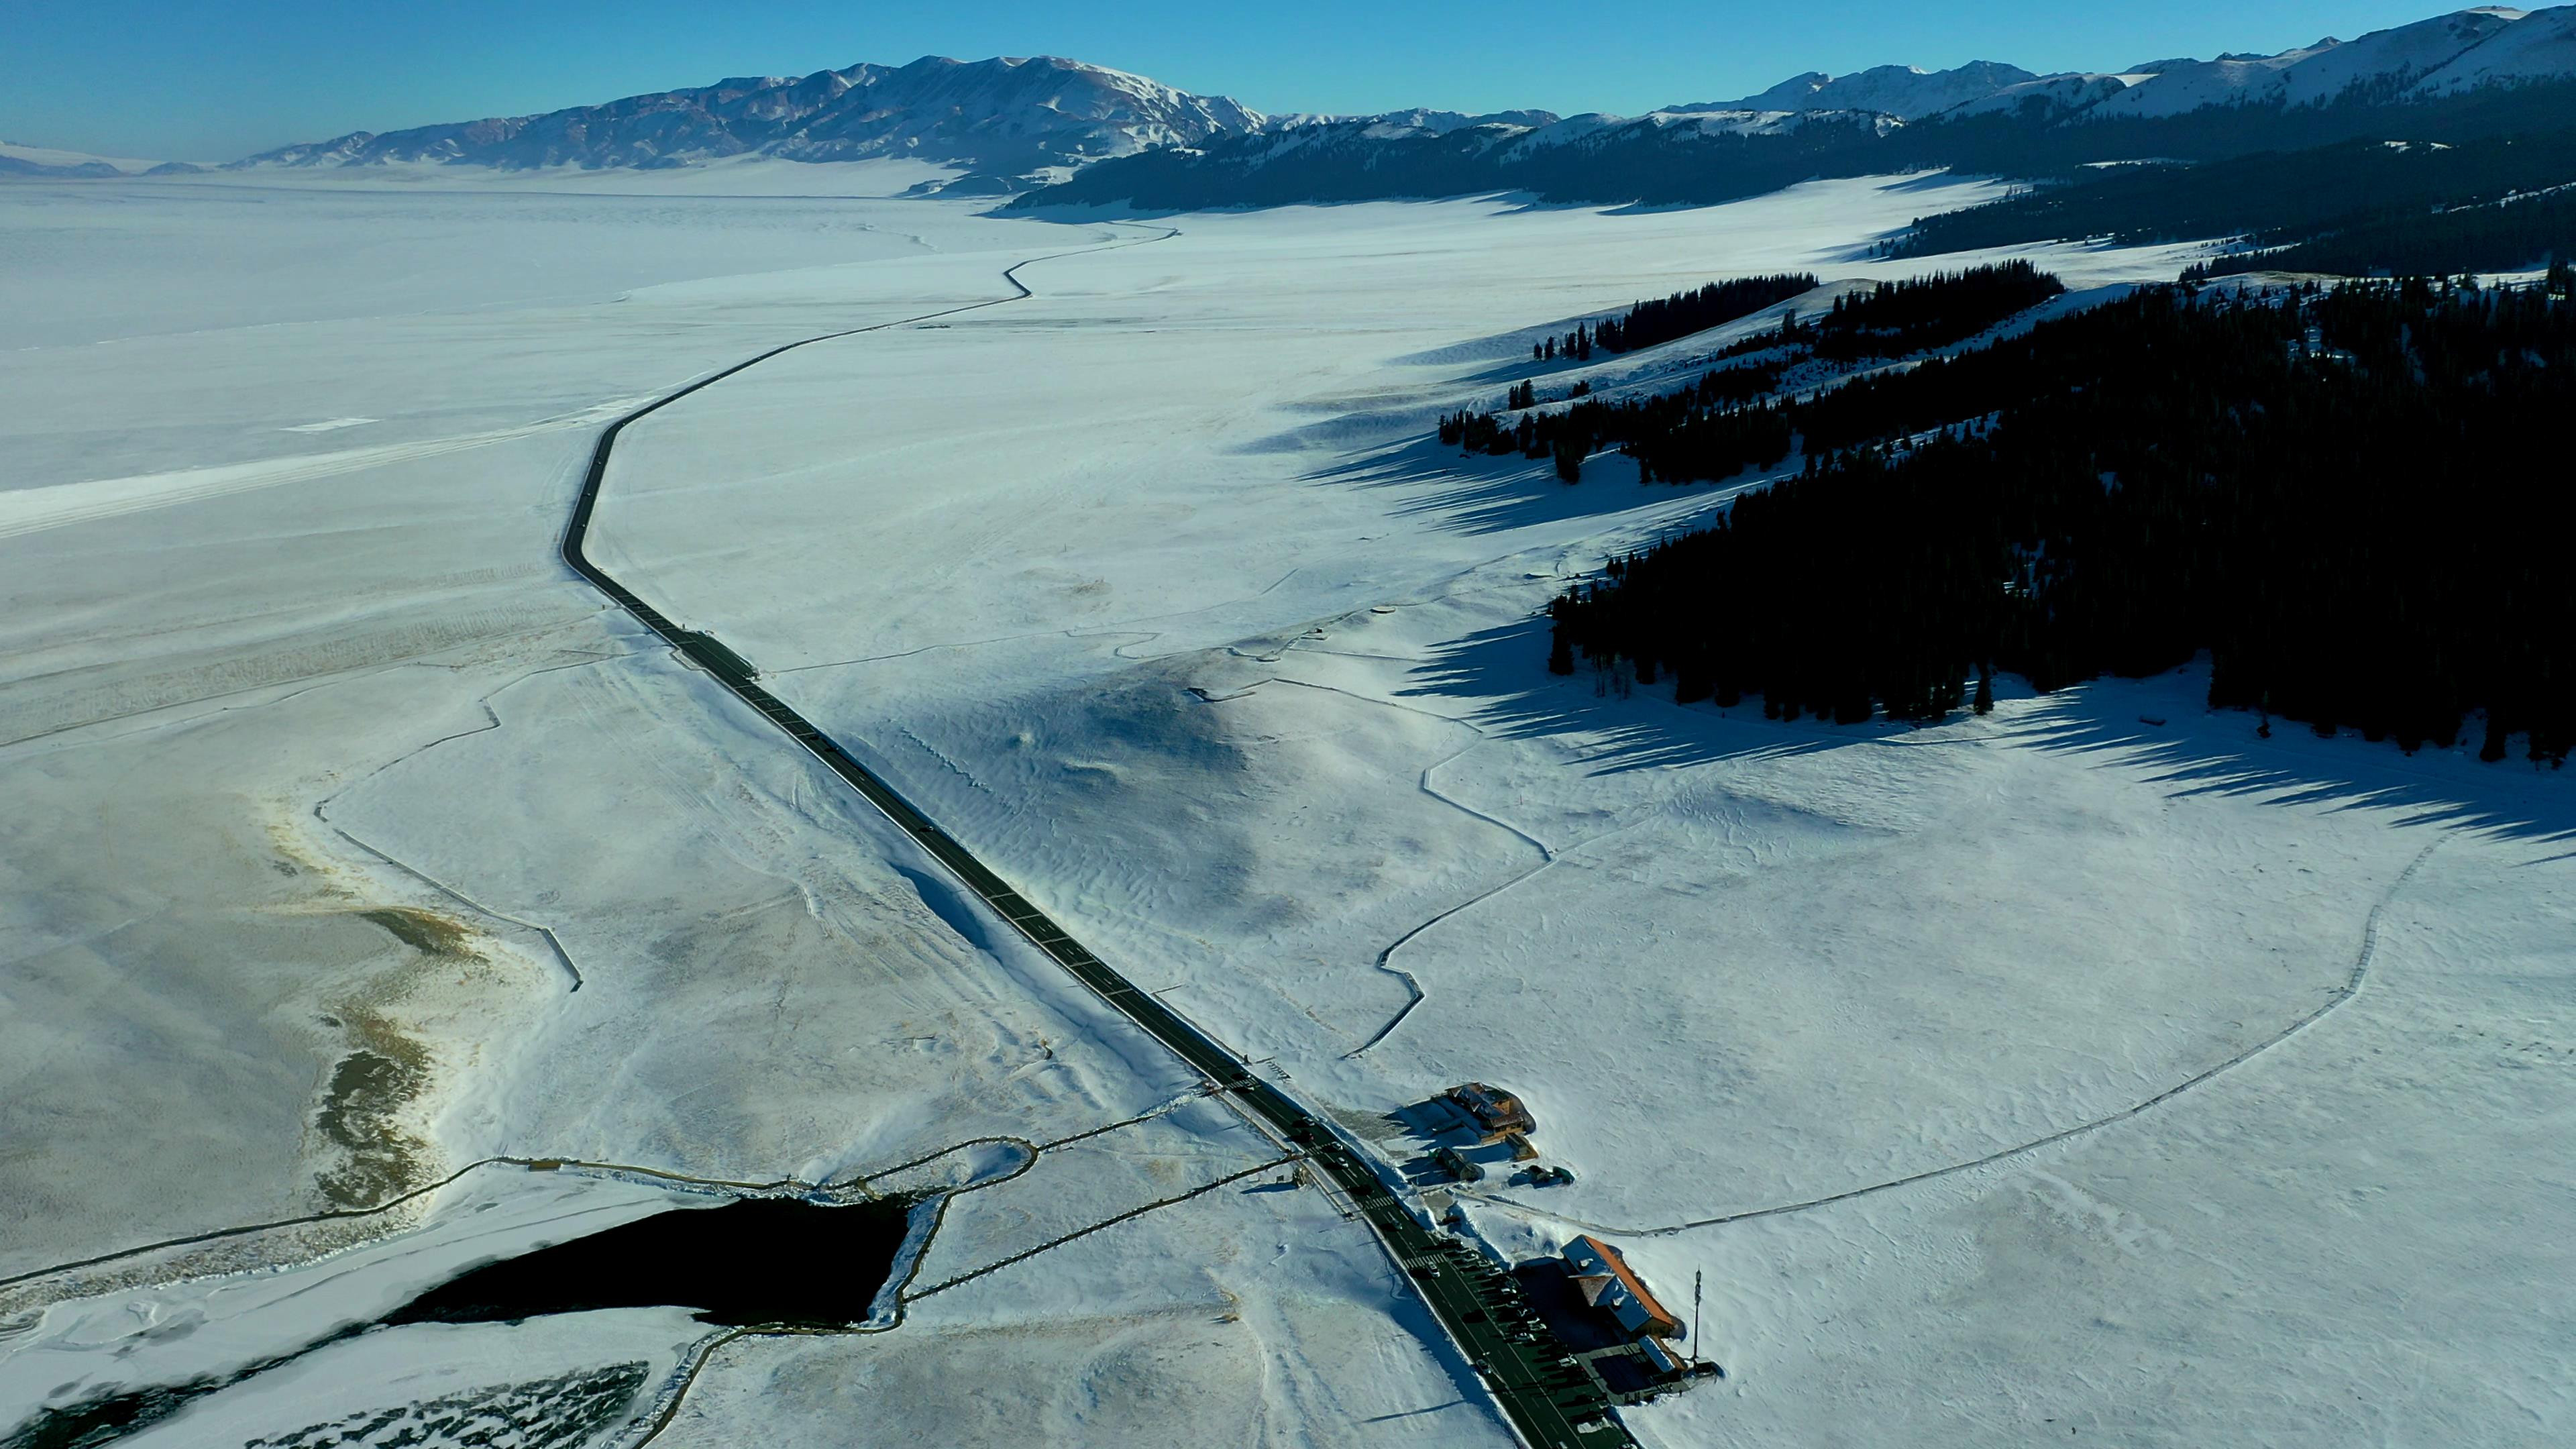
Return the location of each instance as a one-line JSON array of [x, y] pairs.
[[30, 510], [2344, 993], [492, 721]]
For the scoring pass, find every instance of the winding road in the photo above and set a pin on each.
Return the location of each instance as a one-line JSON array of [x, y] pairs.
[[1542, 1392]]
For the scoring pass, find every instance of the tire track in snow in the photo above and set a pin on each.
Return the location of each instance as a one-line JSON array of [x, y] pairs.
[[2351, 987]]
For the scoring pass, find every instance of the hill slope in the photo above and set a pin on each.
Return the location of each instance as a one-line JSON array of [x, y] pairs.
[[1005, 114]]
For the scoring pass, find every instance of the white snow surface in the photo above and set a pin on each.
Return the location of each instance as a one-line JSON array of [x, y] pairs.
[[2538, 45], [1903, 91], [2168, 1083], [2326, 70]]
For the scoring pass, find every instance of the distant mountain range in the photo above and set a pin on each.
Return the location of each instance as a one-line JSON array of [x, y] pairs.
[[1010, 115], [2470, 74], [2441, 56], [1084, 134]]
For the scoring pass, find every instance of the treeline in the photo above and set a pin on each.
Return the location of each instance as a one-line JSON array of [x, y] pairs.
[[1701, 431], [1679, 315], [2287, 196], [1648, 161], [1726, 422], [2351, 498], [1895, 318], [2358, 209], [2500, 236]]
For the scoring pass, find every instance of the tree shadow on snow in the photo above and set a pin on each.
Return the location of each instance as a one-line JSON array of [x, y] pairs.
[[2159, 730], [1506, 669], [2192, 751], [1487, 495]]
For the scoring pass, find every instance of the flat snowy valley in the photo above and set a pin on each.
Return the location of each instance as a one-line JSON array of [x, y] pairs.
[[2092, 1070]]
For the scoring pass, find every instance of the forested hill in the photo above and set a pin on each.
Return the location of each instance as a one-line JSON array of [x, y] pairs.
[[2353, 498], [2277, 198], [1727, 421], [1701, 157]]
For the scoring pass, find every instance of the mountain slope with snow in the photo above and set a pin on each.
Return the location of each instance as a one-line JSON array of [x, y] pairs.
[[1004, 114], [2380, 64], [2463, 76], [2538, 46], [1903, 91], [17, 160]]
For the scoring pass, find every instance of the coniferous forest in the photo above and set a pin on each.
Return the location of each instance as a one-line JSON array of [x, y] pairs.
[[1679, 315], [2495, 236], [2280, 199], [1727, 422], [2354, 498]]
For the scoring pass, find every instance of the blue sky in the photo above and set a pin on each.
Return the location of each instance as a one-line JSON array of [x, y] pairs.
[[214, 81]]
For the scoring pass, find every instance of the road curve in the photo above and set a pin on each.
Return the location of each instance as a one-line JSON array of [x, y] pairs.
[[1542, 1392]]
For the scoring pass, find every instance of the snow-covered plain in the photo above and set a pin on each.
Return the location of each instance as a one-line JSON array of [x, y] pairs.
[[1149, 589]]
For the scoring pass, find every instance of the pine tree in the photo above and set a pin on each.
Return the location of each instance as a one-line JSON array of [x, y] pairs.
[[1569, 460], [1985, 690], [1560, 653]]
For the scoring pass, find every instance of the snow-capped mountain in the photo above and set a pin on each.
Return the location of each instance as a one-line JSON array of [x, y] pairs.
[[2445, 55], [2051, 97], [2382, 64], [2537, 46], [1414, 121], [1006, 114], [2392, 82], [1902, 91], [43, 161], [1046, 118]]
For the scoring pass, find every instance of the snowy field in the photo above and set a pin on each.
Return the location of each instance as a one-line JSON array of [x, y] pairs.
[[1150, 590]]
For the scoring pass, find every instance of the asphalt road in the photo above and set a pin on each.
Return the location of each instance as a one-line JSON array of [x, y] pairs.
[[1546, 1396]]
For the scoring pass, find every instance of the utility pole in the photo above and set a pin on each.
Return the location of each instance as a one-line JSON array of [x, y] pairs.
[[1695, 1354]]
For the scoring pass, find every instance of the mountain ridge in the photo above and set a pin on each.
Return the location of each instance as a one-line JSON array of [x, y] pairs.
[[1006, 113], [1042, 121]]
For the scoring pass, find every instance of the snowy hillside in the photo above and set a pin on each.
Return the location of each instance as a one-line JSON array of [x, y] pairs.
[[2538, 46], [2467, 75], [2439, 56], [1008, 113], [1903, 91], [2054, 95], [2381, 63], [17, 160]]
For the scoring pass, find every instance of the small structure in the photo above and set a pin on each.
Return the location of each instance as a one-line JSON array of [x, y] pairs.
[[1458, 1164], [1606, 1282], [1497, 1113]]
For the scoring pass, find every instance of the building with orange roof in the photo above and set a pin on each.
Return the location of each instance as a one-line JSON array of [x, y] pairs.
[[1609, 1284]]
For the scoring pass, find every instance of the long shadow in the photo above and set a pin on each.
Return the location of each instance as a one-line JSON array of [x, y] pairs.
[[1641, 729], [2196, 751], [1488, 495], [2158, 730]]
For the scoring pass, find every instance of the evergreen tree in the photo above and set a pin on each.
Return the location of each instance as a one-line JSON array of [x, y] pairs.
[[2139, 481], [1569, 461]]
